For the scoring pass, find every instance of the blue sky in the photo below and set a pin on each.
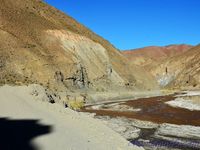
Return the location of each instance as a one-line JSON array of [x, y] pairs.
[[129, 24]]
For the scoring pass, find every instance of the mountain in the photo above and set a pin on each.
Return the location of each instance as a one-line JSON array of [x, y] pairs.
[[173, 66], [180, 72], [152, 54], [40, 44]]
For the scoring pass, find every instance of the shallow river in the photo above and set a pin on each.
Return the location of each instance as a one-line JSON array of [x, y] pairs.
[[155, 109]]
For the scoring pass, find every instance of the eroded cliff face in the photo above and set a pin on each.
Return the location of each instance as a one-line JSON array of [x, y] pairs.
[[40, 44], [90, 60]]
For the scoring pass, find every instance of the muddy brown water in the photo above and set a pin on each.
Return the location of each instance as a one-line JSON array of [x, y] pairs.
[[153, 109]]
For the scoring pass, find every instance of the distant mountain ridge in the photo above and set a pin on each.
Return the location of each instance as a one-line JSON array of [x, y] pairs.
[[173, 66], [183, 71], [151, 54]]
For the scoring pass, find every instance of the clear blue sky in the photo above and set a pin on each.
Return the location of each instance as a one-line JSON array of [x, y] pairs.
[[129, 24]]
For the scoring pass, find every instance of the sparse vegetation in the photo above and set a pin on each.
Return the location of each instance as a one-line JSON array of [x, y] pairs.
[[76, 104], [100, 89]]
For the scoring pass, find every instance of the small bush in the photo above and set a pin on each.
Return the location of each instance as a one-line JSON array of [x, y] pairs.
[[76, 104]]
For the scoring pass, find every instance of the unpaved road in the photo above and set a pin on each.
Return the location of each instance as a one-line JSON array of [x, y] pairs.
[[27, 123]]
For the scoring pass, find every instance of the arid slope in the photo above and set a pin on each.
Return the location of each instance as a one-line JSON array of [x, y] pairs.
[[39, 44], [152, 54], [183, 71], [174, 66]]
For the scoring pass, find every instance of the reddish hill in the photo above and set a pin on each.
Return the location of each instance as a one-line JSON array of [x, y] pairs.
[[147, 55], [183, 70]]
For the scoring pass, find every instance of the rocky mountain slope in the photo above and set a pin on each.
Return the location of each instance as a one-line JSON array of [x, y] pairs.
[[182, 72], [153, 54], [173, 66], [39, 44]]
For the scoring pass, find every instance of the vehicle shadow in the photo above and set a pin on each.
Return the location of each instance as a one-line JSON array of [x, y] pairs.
[[17, 134]]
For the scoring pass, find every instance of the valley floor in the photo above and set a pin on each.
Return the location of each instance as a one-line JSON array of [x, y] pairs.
[[28, 123], [160, 123]]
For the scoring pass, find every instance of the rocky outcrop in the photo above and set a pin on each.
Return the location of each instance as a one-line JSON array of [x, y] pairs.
[[80, 78], [59, 77]]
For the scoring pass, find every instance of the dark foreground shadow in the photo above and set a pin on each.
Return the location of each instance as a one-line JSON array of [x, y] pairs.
[[17, 134]]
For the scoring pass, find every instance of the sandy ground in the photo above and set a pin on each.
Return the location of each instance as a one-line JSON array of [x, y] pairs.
[[185, 103], [190, 100], [70, 130]]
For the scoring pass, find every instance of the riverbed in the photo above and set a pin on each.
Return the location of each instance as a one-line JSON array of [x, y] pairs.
[[167, 120]]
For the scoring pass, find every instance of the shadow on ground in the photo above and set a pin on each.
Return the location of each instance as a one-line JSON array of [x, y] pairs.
[[17, 134]]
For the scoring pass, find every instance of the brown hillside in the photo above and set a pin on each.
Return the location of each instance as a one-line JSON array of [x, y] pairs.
[[153, 54], [39, 44], [183, 71]]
